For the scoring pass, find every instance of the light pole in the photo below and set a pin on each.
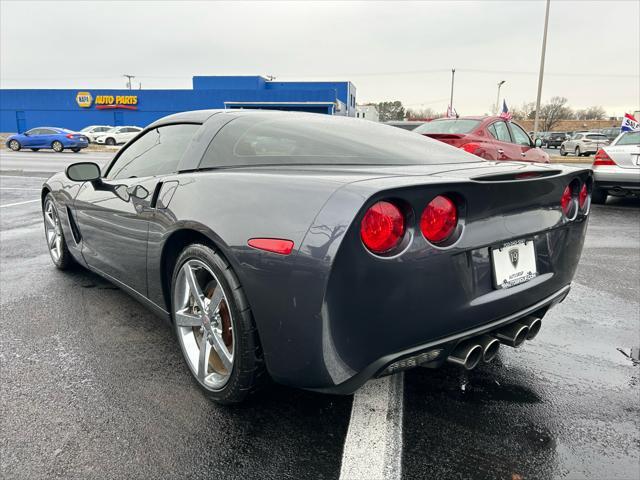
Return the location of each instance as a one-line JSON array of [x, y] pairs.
[[500, 83], [453, 73], [129, 77], [541, 74]]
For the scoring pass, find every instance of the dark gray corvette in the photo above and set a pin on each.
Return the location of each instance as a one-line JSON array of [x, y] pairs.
[[321, 251]]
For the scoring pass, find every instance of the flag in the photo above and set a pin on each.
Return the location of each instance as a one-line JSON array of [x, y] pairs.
[[505, 111], [451, 112], [629, 123]]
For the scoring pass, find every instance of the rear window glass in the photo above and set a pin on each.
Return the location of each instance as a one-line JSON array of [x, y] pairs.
[[314, 139], [596, 137], [449, 125], [631, 138]]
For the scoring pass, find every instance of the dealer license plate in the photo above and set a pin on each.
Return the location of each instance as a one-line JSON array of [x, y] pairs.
[[514, 263]]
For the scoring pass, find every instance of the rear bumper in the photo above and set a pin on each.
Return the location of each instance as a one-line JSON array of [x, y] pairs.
[[617, 178], [445, 345]]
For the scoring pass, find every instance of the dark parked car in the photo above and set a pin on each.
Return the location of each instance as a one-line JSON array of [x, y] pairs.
[[48, 137], [491, 138], [322, 251], [554, 139]]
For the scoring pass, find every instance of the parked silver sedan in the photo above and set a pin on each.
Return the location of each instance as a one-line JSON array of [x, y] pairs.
[[583, 144], [616, 168]]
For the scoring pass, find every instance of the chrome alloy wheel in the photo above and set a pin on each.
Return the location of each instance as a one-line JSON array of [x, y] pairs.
[[204, 324], [53, 230]]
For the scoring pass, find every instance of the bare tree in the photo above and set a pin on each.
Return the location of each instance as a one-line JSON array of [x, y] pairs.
[[526, 112], [595, 112], [554, 111], [422, 113], [390, 111]]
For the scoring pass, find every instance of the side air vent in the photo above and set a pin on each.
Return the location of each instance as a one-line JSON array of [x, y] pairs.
[[74, 227]]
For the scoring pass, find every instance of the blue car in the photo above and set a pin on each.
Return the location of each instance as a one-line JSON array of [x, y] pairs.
[[48, 137]]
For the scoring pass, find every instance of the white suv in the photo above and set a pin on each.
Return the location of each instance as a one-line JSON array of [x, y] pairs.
[[118, 135], [94, 131], [584, 143]]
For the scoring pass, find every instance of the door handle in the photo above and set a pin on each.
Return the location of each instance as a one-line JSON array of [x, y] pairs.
[[500, 151], [523, 154]]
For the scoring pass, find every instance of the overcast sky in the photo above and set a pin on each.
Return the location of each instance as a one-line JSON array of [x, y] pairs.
[[389, 50]]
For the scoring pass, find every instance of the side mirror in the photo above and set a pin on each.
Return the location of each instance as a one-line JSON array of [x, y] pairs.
[[83, 172], [538, 142]]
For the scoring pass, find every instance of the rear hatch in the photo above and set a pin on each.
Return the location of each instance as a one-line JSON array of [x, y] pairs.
[[423, 292]]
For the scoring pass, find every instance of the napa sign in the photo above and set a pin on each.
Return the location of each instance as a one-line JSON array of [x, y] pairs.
[[107, 102]]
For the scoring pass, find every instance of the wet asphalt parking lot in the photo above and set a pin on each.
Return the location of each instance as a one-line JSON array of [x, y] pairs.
[[94, 386]]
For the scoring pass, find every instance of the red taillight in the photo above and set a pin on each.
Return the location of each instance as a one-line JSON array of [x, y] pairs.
[[275, 245], [602, 158], [470, 147], [439, 219], [382, 227], [582, 198], [69, 135], [565, 201]]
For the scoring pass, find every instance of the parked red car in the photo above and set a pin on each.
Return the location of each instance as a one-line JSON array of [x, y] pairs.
[[491, 138]]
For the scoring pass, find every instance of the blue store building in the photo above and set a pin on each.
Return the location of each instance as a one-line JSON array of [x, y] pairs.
[[22, 109]]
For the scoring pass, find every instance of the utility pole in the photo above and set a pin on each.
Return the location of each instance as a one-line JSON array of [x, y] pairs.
[[453, 73], [500, 83], [129, 77], [541, 74]]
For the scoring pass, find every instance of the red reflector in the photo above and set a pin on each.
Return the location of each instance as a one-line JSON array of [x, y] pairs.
[[470, 147], [382, 227], [602, 158], [582, 198], [439, 219], [275, 245], [565, 201]]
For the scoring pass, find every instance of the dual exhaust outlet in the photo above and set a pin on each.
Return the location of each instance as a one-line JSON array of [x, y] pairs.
[[484, 348]]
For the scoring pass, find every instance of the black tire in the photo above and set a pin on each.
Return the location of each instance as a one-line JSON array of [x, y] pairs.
[[563, 152], [248, 373], [75, 149], [577, 152], [15, 145], [35, 149], [64, 260], [110, 141], [599, 196], [57, 146]]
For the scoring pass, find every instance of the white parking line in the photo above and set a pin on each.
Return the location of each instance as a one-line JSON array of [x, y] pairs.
[[23, 176], [373, 446], [18, 188], [19, 203]]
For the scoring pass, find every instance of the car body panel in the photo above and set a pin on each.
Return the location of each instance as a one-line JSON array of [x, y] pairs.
[[331, 314]]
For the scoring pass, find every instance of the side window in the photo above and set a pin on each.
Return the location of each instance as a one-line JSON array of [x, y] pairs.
[[492, 131], [34, 131], [47, 131], [502, 131], [520, 136], [157, 152]]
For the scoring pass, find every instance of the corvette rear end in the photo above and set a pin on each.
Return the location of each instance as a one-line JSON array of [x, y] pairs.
[[439, 268]]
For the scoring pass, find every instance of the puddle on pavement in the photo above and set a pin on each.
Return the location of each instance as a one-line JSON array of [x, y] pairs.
[[632, 354]]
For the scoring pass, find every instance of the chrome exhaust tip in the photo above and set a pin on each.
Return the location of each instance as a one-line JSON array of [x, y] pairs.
[[490, 347], [466, 354], [534, 324], [513, 335]]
